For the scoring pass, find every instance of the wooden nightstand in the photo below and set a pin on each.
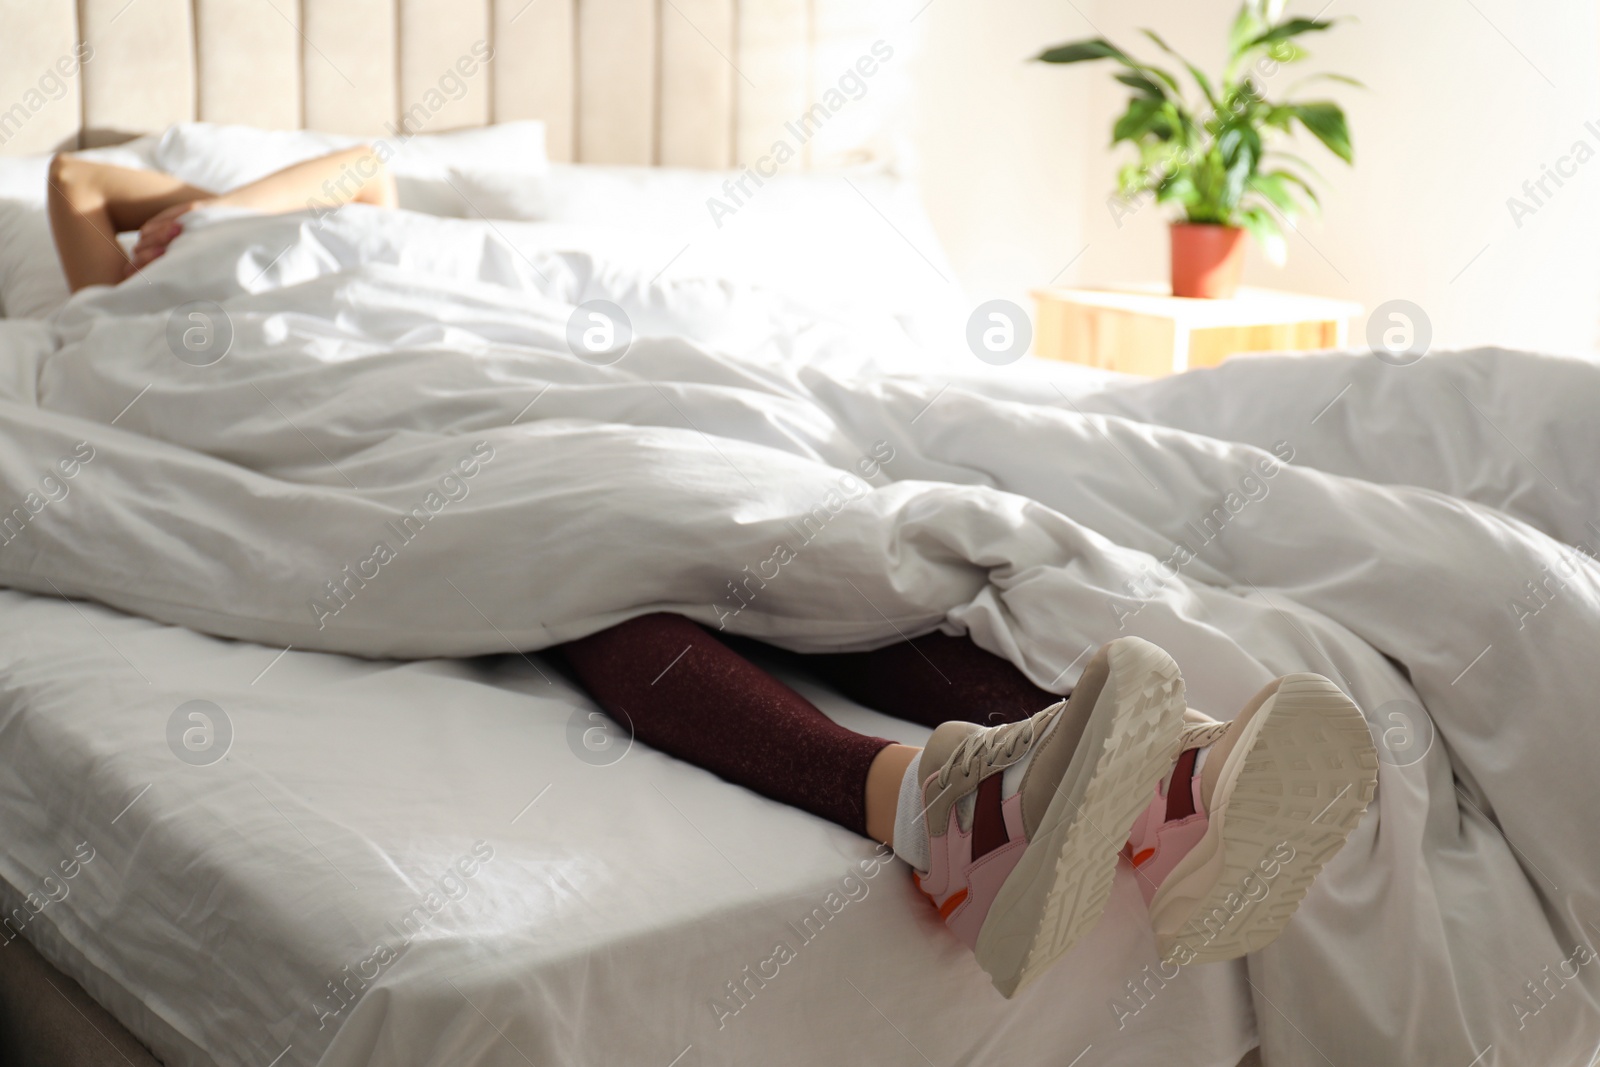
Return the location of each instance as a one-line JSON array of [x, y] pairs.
[[1145, 331]]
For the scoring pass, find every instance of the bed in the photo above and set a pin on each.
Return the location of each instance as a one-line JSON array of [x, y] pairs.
[[264, 823], [353, 793]]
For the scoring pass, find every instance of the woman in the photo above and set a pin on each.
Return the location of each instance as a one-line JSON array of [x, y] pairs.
[[1016, 814]]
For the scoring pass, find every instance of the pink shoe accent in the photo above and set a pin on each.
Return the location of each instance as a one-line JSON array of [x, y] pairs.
[[1174, 823], [963, 889], [1017, 865]]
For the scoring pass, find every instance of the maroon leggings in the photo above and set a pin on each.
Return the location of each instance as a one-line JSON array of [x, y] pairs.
[[683, 691]]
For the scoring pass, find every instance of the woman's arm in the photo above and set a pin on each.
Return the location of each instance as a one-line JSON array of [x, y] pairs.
[[90, 203], [355, 175]]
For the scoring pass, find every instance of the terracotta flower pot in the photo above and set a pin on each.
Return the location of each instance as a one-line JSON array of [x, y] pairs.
[[1206, 260]]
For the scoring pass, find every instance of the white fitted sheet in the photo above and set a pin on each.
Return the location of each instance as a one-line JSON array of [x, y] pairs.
[[221, 899]]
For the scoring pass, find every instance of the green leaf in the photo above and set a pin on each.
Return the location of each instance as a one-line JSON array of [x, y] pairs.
[[1195, 72], [1285, 52], [1083, 51], [1141, 119], [1280, 156], [1133, 180], [1141, 82], [1275, 189], [1291, 176], [1308, 79], [1278, 117], [1246, 27], [1264, 228], [1156, 37], [1171, 82], [1178, 189], [1091, 49], [1244, 96], [1327, 124], [1252, 139], [1201, 80], [1229, 140], [1233, 184], [1284, 30]]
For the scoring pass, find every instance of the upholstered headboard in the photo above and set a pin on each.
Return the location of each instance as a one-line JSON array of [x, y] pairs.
[[701, 83]]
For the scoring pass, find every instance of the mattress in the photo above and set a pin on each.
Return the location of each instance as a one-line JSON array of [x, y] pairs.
[[344, 861]]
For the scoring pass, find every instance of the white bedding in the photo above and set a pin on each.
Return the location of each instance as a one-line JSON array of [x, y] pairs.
[[603, 930], [1379, 524]]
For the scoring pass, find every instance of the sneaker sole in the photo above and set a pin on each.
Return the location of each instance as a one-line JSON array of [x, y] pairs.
[[1060, 886], [1294, 792]]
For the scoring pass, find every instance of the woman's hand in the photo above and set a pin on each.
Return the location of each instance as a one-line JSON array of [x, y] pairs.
[[159, 232]]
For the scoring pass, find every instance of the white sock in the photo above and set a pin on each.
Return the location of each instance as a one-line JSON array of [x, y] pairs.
[[910, 825]]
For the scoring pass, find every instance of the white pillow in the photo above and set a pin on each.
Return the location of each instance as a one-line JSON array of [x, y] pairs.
[[853, 242], [499, 194], [23, 177], [220, 158], [31, 282]]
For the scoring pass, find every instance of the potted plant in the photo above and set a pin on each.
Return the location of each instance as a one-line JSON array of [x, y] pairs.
[[1212, 160]]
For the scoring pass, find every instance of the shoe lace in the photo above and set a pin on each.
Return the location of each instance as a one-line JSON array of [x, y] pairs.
[[994, 748]]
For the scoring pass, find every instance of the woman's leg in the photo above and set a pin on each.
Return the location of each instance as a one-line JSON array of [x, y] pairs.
[[681, 690], [731, 717], [1032, 806], [934, 679], [90, 203], [687, 693]]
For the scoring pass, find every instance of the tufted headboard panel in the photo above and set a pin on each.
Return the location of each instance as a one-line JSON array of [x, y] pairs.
[[697, 83]]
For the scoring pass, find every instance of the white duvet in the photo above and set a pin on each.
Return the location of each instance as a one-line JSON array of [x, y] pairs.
[[401, 456]]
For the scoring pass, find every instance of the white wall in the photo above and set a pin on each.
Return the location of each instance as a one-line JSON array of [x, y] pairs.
[[1016, 170], [999, 141]]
